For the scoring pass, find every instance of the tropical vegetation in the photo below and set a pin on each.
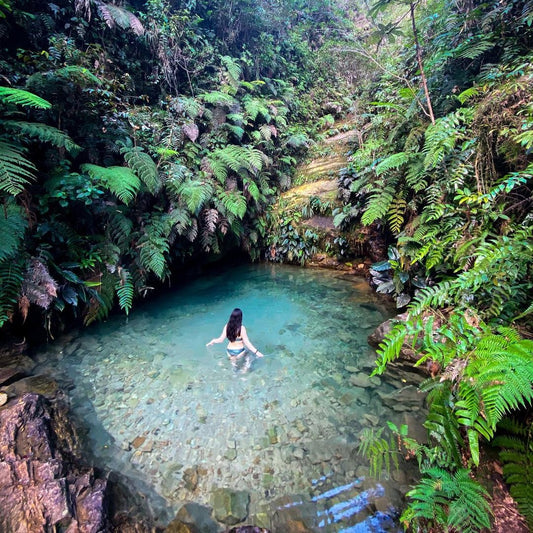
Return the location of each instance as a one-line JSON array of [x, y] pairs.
[[139, 140]]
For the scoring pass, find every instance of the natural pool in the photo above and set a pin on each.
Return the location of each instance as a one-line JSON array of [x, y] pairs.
[[175, 416]]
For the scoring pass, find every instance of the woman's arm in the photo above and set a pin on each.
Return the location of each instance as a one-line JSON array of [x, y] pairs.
[[248, 344], [216, 340]]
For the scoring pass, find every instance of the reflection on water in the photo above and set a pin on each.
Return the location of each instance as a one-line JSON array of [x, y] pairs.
[[164, 409]]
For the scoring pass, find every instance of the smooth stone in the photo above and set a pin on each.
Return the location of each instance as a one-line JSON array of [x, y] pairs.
[[351, 369], [230, 506], [197, 517], [138, 441]]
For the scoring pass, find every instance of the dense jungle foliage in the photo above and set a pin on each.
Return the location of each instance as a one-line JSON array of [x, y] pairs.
[[141, 138]]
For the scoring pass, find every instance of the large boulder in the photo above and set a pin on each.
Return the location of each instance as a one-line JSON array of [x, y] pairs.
[[40, 486]]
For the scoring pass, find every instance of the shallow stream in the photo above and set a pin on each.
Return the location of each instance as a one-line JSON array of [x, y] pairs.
[[178, 418]]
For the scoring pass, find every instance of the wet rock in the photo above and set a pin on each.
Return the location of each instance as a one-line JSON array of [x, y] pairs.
[[351, 369], [138, 442], [10, 374], [40, 488], [193, 518], [190, 478], [43, 385], [248, 529], [230, 506], [364, 380], [294, 514]]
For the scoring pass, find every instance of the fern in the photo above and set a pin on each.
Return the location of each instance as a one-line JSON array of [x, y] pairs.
[[121, 181], [516, 444], [11, 276], [23, 98], [154, 245], [217, 97], [378, 205], [396, 214], [255, 107], [15, 170], [394, 161], [381, 453], [144, 167], [195, 193], [237, 159], [13, 225], [125, 290], [449, 500], [119, 228], [43, 133], [234, 202]]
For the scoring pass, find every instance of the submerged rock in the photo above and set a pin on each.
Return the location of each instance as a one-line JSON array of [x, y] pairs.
[[230, 506], [193, 518]]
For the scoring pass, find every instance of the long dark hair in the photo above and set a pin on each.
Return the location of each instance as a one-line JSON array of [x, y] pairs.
[[233, 327]]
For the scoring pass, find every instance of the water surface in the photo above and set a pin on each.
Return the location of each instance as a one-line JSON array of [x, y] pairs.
[[163, 408]]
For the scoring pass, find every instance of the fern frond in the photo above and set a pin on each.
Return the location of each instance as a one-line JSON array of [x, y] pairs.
[[125, 290], [378, 204], [119, 228], [15, 170], [234, 202], [43, 133], [217, 97], [396, 214], [195, 193], [144, 167], [23, 98], [13, 225], [394, 161], [121, 181], [11, 277]]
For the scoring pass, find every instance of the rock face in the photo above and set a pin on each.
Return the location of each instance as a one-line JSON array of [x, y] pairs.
[[41, 487]]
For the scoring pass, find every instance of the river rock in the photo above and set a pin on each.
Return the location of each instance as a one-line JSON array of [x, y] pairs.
[[40, 489], [230, 506], [193, 518], [42, 385], [293, 514]]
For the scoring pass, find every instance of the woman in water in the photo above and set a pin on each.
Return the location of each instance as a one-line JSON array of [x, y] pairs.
[[238, 339]]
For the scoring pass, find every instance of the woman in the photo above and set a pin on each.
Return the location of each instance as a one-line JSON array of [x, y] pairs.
[[235, 332]]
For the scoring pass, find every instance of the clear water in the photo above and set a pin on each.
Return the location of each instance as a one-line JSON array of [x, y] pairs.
[[179, 420]]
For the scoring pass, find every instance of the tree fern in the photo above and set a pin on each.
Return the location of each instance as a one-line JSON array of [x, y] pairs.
[[144, 167], [43, 133], [16, 171], [121, 181], [13, 224], [23, 98]]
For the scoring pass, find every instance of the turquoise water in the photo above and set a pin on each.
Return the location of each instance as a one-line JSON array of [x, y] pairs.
[[179, 420]]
